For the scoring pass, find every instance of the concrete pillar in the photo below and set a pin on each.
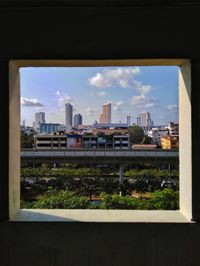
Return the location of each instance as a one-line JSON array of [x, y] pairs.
[[121, 173]]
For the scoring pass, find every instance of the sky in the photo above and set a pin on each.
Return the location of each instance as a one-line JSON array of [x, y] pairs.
[[130, 90]]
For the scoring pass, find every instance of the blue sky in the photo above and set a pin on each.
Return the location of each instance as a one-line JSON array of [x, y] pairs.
[[130, 90]]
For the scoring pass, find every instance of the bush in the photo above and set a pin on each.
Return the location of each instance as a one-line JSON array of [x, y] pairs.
[[166, 199], [59, 200], [119, 202], [26, 204]]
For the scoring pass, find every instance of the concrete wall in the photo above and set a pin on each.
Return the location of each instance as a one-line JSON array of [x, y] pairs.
[[89, 32]]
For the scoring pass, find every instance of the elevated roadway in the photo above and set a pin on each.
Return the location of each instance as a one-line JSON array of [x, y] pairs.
[[100, 156]]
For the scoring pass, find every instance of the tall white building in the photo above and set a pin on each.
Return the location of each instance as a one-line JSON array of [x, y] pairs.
[[39, 119], [68, 115], [144, 120], [128, 120]]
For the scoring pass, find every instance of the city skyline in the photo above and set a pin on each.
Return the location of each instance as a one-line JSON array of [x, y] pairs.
[[130, 90]]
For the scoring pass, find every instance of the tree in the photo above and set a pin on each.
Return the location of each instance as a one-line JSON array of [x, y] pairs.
[[136, 134], [27, 141], [147, 140]]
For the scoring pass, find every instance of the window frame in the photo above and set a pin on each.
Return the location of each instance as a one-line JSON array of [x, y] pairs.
[[184, 214]]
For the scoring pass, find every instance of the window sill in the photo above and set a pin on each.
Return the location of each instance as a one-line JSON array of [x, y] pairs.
[[101, 216]]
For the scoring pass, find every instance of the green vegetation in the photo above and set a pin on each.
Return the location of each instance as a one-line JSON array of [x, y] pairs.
[[136, 134], [166, 199], [27, 140], [152, 173], [82, 188], [61, 199], [45, 171]]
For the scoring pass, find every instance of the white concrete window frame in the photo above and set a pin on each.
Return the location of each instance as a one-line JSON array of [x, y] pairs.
[[183, 215]]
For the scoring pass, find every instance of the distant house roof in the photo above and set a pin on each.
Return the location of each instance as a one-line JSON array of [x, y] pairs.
[[112, 125], [144, 146]]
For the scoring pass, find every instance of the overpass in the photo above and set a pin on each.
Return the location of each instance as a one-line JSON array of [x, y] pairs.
[[157, 156]]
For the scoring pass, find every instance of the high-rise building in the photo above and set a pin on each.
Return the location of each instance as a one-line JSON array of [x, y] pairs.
[[144, 120], [24, 123], [105, 117], [39, 119], [128, 120], [68, 115], [77, 119]]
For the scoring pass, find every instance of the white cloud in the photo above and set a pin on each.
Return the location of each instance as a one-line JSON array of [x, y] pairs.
[[141, 88], [117, 105], [143, 100], [89, 111], [172, 107], [122, 73], [117, 108], [119, 76], [124, 78], [63, 99], [100, 81], [31, 102], [101, 93], [144, 89]]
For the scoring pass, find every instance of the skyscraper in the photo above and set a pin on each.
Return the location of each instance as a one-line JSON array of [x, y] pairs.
[[39, 119], [128, 120], [144, 120], [77, 120], [105, 117], [68, 115]]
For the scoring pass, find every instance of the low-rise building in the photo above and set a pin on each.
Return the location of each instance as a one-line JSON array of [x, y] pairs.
[[110, 129], [156, 133], [170, 142], [121, 142], [76, 141], [49, 128], [58, 141], [144, 146], [106, 141], [173, 129]]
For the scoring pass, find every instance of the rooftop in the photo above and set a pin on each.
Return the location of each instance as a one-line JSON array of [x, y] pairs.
[[112, 125]]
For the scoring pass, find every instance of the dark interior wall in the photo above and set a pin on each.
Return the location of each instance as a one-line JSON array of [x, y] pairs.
[[78, 32], [88, 32]]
